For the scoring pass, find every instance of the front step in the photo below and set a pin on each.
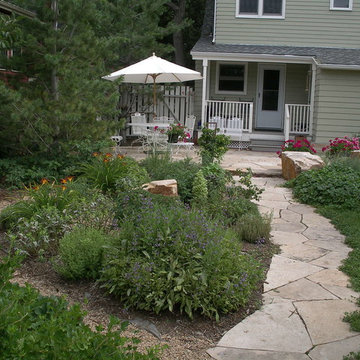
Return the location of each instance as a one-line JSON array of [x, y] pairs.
[[266, 145]]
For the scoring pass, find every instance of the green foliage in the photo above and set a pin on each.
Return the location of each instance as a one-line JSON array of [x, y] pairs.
[[335, 184], [80, 253], [217, 178], [109, 173], [253, 228], [168, 257], [20, 171], [352, 356], [354, 320], [212, 146], [35, 327], [199, 190], [183, 171], [247, 188], [39, 234]]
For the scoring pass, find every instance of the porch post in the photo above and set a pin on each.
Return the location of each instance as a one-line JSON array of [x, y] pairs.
[[312, 98], [204, 93]]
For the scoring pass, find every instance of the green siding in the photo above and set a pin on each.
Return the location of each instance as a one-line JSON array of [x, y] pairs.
[[337, 104], [295, 86], [306, 23]]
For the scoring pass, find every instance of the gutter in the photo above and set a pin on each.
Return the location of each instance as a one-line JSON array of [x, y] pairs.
[[252, 57], [338, 67], [10, 8], [214, 27]]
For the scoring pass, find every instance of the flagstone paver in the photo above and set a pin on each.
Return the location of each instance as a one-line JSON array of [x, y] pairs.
[[305, 295]]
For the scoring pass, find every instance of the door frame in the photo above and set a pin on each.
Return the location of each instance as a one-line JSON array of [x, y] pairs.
[[282, 86]]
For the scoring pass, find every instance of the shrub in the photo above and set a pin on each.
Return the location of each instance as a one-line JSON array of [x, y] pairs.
[[183, 171], [334, 184], [39, 235], [342, 146], [229, 207], [113, 173], [36, 327], [253, 227], [212, 146], [170, 258], [199, 190], [80, 253], [299, 145], [217, 178]]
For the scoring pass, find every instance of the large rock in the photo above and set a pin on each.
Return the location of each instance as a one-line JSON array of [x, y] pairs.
[[355, 154], [162, 187], [295, 162]]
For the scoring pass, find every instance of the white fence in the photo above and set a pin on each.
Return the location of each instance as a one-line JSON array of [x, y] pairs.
[[297, 120], [172, 101], [231, 109]]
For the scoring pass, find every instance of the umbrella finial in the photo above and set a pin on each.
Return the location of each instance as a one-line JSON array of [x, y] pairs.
[[153, 54]]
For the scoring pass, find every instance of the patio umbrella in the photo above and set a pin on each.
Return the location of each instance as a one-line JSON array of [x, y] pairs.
[[154, 70]]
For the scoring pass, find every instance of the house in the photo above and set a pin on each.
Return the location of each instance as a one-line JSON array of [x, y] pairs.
[[285, 67], [9, 9]]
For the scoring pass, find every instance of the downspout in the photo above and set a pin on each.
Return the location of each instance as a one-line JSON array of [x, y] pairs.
[[214, 26], [312, 98]]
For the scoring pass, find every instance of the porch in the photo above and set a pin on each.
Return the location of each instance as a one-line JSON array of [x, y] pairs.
[[273, 100], [297, 122]]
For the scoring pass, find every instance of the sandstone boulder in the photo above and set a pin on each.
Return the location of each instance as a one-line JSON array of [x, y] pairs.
[[162, 187], [355, 154], [294, 162]]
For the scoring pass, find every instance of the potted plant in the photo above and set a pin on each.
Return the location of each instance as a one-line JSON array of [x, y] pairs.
[[176, 132]]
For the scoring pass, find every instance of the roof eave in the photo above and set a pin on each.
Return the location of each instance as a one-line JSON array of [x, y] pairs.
[[16, 9]]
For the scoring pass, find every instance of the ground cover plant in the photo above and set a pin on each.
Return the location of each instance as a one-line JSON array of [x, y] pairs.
[[34, 326], [335, 191]]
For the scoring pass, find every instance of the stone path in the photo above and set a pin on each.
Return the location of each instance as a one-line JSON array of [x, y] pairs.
[[305, 296]]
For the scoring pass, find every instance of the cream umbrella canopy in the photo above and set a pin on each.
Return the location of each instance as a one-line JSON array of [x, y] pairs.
[[154, 70]]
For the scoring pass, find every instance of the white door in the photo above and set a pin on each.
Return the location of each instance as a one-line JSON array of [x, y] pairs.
[[271, 97]]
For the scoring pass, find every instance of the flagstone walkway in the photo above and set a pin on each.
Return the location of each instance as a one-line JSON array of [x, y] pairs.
[[305, 295]]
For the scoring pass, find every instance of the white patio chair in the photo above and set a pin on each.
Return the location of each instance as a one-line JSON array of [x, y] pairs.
[[137, 130], [234, 129], [154, 142], [164, 120], [190, 124]]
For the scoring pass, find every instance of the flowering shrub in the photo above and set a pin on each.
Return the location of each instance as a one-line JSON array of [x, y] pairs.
[[110, 173], [176, 259], [299, 145], [177, 130], [342, 146]]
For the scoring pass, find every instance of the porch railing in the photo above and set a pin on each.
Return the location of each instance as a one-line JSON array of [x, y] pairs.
[[231, 109], [297, 120]]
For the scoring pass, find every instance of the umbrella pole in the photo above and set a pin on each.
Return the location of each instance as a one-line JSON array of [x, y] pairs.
[[154, 94]]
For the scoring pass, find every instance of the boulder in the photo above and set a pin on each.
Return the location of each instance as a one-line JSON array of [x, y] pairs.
[[162, 187], [355, 154], [294, 162]]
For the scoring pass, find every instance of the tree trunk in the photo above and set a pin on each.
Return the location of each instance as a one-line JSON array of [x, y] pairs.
[[54, 77], [178, 39]]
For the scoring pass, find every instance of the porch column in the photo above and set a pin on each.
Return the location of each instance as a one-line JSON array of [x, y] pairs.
[[312, 98], [204, 93]]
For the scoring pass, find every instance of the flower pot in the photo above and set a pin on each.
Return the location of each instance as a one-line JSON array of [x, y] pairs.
[[173, 138]]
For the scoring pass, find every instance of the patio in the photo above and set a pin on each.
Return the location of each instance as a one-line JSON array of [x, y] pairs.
[[265, 164]]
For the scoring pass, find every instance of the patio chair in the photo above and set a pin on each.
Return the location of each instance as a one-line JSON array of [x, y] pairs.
[[164, 120], [233, 129], [154, 142], [137, 130], [189, 124]]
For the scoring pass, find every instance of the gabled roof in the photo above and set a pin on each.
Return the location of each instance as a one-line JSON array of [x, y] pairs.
[[9, 9]]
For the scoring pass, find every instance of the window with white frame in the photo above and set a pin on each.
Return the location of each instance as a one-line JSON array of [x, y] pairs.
[[341, 4], [261, 8], [231, 78]]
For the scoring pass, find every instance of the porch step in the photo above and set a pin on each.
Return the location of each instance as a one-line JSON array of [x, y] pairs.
[[266, 145]]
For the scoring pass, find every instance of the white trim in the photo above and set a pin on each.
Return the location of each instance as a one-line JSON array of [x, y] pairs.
[[332, 7], [339, 67], [217, 91], [260, 14], [252, 57], [204, 91]]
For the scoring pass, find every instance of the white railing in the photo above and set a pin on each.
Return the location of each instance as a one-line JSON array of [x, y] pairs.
[[297, 120], [231, 109]]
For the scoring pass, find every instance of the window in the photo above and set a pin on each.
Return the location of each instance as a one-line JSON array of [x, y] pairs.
[[341, 4], [262, 8], [231, 78]]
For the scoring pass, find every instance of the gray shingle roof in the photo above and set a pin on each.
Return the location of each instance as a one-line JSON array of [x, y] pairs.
[[336, 56]]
